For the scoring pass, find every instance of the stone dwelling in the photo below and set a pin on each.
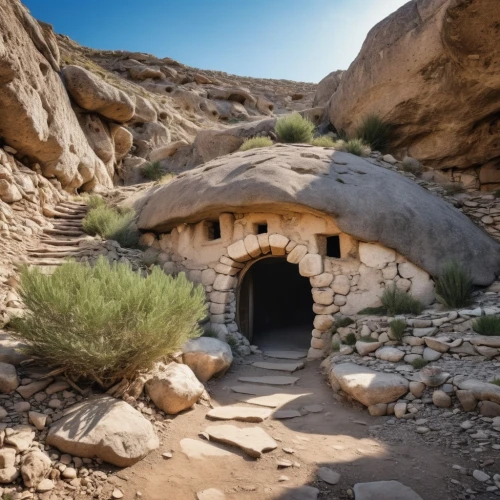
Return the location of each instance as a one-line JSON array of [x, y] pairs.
[[283, 238]]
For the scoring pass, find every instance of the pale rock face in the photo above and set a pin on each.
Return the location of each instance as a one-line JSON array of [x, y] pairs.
[[207, 357], [414, 60], [106, 428], [311, 265], [327, 87], [375, 256], [366, 385], [94, 94], [174, 388], [384, 490], [37, 117]]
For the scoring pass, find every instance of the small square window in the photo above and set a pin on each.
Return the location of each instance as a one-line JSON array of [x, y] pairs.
[[214, 231], [333, 246], [261, 228]]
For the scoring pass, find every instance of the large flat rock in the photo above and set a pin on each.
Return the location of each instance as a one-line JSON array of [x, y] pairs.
[[106, 428], [282, 367], [193, 448], [241, 413], [252, 440], [271, 401], [384, 490], [481, 390], [366, 385], [305, 179], [270, 380]]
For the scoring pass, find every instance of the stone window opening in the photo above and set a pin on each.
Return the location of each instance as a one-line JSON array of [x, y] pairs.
[[214, 232], [333, 246], [262, 228]]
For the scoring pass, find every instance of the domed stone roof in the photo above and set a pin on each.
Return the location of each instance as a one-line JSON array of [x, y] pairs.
[[367, 201]]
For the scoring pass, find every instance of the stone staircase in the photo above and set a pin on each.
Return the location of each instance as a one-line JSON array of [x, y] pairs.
[[62, 238]]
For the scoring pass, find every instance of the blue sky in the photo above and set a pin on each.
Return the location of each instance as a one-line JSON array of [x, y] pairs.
[[294, 39]]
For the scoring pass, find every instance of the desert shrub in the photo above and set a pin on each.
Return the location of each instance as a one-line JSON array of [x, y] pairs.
[[210, 332], [397, 327], [495, 381], [496, 193], [487, 325], [324, 141], [454, 188], [395, 301], [419, 363], [454, 286], [367, 338], [112, 224], [412, 166], [256, 142], [294, 128], [354, 146], [106, 322], [350, 339], [374, 131], [342, 322], [153, 171], [231, 341], [335, 346], [95, 201]]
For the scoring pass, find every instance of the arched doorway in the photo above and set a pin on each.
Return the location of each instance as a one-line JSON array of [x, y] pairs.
[[275, 305]]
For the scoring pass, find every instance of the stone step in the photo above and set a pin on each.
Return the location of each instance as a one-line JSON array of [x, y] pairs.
[[55, 255], [283, 367], [61, 243], [52, 249], [270, 380], [271, 401], [62, 216], [255, 390], [286, 354], [286, 414], [241, 413], [63, 232], [43, 262]]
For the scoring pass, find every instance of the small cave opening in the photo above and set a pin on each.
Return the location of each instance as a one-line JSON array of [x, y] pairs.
[[275, 305]]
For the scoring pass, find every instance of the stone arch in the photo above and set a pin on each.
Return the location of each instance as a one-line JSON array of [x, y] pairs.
[[236, 261]]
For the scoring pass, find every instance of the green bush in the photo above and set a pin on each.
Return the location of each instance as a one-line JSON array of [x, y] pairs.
[[454, 286], [373, 311], [350, 339], [342, 322], [95, 201], [294, 128], [487, 325], [324, 141], [112, 224], [395, 301], [256, 142], [419, 363], [106, 322], [367, 338], [335, 346], [374, 131], [495, 381], [354, 146], [397, 327], [153, 171]]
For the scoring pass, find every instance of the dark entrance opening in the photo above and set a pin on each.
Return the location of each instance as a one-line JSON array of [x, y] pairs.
[[275, 305]]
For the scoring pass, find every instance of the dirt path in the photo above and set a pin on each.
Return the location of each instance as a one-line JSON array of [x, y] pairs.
[[339, 437]]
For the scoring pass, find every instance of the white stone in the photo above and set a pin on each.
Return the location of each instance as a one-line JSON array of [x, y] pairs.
[[223, 283], [323, 296], [323, 322], [341, 285], [297, 254], [364, 348], [194, 448], [242, 413], [8, 378], [436, 344], [252, 245], [431, 354], [391, 354], [238, 252], [384, 490], [252, 440], [278, 243], [311, 265], [400, 410], [321, 280], [207, 357], [375, 256]]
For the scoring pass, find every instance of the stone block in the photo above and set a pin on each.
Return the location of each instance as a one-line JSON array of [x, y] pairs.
[[278, 243], [376, 256], [238, 252], [311, 265], [297, 254], [252, 246]]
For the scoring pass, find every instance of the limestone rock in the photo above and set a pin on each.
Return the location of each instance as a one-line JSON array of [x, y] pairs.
[[327, 87], [387, 490], [8, 475], [483, 391], [365, 348], [8, 378], [37, 116], [241, 413], [194, 448], [207, 357], [94, 94], [35, 466], [252, 440], [210, 494], [310, 184], [415, 60], [106, 428], [366, 385], [174, 388], [390, 354], [328, 475], [467, 400], [441, 399]]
